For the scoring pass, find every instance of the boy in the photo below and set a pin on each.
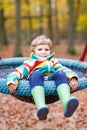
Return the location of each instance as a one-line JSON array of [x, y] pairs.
[[43, 66]]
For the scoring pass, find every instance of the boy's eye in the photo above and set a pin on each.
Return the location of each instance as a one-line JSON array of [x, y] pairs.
[[46, 49], [39, 49]]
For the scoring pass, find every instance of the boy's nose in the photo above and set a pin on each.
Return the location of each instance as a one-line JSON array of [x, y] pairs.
[[43, 51]]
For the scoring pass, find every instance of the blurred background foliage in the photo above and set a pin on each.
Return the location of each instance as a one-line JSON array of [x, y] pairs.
[[22, 20]]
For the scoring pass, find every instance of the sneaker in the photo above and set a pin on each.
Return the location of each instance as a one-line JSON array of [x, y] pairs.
[[42, 113], [71, 106]]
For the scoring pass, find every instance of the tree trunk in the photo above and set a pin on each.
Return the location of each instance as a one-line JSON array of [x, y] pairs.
[[71, 27], [73, 17], [29, 31], [50, 32], [56, 27], [17, 52], [40, 19], [3, 36]]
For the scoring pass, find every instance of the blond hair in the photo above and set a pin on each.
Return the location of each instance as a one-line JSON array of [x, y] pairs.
[[40, 40]]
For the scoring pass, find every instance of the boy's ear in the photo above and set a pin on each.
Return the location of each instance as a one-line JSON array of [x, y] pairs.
[[31, 54], [33, 51]]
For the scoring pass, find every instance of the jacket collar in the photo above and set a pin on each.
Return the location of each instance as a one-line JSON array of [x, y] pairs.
[[33, 56]]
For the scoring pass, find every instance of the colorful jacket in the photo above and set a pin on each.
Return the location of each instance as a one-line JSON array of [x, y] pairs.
[[34, 63]]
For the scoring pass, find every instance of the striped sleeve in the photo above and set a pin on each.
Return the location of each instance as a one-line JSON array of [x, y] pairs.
[[69, 73], [19, 73]]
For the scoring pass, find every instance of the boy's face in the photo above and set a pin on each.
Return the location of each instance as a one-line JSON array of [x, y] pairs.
[[42, 51]]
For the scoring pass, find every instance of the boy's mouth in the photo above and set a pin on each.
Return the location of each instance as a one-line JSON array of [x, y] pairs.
[[43, 56]]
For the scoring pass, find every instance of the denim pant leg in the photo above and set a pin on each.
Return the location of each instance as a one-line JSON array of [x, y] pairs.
[[59, 77], [36, 79]]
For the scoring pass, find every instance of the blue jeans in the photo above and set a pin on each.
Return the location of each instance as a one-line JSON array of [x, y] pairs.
[[37, 78]]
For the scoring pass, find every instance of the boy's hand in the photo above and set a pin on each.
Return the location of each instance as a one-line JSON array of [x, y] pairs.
[[73, 84], [12, 88]]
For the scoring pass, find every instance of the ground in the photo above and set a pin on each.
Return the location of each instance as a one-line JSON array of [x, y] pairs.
[[17, 115]]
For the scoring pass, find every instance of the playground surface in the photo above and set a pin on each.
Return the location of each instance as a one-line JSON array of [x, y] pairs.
[[17, 115]]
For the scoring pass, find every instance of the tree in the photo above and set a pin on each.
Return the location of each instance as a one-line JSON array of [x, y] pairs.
[[73, 17], [3, 37], [18, 30], [29, 30], [50, 20], [40, 19], [56, 27]]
